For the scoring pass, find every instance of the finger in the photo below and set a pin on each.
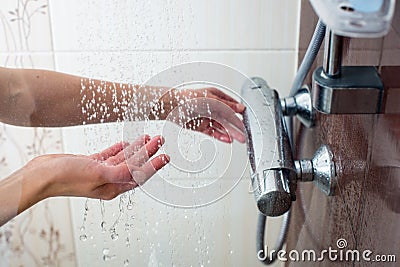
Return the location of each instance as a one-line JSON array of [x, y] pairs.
[[219, 135], [131, 174], [146, 152], [129, 150], [152, 166], [235, 120], [110, 151], [236, 107], [231, 131], [222, 95], [225, 110], [231, 102]]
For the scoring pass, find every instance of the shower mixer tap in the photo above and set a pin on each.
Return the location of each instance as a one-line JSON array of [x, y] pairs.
[[274, 173]]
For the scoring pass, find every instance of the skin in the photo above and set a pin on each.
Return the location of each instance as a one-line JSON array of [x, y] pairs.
[[32, 98]]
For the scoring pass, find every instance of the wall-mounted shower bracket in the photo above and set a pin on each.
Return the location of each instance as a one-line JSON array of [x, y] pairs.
[[348, 89], [274, 173], [358, 90]]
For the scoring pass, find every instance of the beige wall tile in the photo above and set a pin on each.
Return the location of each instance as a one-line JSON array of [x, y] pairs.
[[162, 25], [25, 26]]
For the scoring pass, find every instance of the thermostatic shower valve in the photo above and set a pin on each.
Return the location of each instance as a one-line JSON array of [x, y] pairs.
[[274, 173]]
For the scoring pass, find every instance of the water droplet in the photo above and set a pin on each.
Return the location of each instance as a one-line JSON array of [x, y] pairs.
[[114, 236], [126, 262], [83, 237], [106, 251]]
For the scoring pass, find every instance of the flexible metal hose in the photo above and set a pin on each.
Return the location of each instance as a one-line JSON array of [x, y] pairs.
[[261, 250], [309, 57], [305, 66]]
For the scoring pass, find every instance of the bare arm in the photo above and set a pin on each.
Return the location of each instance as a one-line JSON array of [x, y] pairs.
[[41, 98], [104, 175]]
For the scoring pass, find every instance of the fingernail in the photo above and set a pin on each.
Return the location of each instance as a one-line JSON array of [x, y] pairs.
[[166, 158], [240, 107], [160, 140], [225, 139], [146, 138]]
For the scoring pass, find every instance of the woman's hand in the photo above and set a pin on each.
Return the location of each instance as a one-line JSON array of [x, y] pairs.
[[207, 110], [104, 175]]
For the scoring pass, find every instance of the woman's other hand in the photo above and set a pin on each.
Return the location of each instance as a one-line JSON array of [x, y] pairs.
[[206, 110]]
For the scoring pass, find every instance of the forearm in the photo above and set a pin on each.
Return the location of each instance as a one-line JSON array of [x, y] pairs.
[[46, 98], [43, 98], [20, 191]]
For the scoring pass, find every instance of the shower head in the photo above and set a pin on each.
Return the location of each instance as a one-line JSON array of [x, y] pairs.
[[273, 174]]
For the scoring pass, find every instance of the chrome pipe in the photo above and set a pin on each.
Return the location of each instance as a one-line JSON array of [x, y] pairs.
[[333, 54]]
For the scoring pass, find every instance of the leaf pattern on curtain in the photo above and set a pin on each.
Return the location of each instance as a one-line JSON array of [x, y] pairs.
[[42, 235]]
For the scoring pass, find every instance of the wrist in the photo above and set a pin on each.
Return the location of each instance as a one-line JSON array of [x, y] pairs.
[[36, 179], [165, 104]]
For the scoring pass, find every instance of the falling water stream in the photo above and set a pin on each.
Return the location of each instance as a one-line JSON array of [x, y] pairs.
[[135, 229], [120, 226]]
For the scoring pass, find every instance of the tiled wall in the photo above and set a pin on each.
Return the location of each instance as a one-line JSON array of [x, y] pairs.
[[129, 41]]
